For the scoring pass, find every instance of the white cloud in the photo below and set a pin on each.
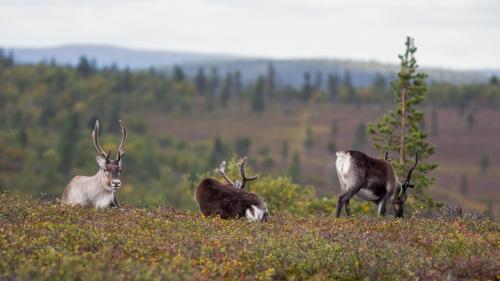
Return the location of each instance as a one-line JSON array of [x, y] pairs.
[[451, 33]]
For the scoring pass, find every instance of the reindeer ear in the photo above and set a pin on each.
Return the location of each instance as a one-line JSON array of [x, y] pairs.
[[101, 161]]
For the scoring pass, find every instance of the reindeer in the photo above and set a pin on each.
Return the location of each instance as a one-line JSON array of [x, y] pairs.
[[371, 179], [230, 200], [98, 190]]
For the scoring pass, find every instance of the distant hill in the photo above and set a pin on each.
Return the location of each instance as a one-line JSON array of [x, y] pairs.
[[107, 55], [289, 71]]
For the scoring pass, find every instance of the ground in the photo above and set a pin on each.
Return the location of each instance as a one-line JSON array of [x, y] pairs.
[[44, 241]]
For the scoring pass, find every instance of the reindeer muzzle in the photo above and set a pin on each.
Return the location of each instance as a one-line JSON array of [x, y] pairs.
[[116, 184]]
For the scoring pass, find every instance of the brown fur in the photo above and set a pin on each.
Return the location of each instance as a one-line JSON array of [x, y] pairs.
[[378, 177], [224, 200]]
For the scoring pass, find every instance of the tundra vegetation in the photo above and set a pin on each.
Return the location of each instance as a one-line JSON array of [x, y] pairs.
[[44, 241]]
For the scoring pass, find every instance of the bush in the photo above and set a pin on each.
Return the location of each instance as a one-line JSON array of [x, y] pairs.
[[280, 193]]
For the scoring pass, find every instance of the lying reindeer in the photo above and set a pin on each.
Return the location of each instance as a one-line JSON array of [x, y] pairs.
[[98, 190], [230, 200], [371, 179]]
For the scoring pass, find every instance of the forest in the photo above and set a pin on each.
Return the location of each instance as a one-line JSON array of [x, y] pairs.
[[181, 127]]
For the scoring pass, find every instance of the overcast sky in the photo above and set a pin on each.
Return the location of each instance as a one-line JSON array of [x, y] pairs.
[[452, 33]]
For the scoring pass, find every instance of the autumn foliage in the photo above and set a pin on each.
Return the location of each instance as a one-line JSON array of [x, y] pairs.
[[44, 241]]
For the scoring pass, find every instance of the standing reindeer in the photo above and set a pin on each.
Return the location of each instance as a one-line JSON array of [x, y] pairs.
[[371, 179], [230, 200], [98, 190]]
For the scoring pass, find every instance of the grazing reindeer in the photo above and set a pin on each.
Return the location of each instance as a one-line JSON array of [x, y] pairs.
[[372, 180], [230, 200], [98, 190]]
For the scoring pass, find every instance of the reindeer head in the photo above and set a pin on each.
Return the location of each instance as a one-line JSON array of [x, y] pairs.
[[111, 168], [401, 195]]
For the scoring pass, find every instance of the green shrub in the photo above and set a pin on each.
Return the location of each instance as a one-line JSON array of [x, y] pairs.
[[280, 193]]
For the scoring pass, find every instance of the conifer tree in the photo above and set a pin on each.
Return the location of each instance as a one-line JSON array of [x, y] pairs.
[[318, 81], [307, 88], [237, 84], [201, 81], [294, 169], [399, 131], [333, 87], [331, 147], [219, 152], [213, 88], [258, 96], [84, 67], [347, 84], [67, 143], [242, 145], [494, 80], [22, 137], [270, 80], [225, 94], [179, 73]]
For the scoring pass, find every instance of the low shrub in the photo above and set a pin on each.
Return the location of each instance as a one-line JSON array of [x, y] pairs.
[[44, 241]]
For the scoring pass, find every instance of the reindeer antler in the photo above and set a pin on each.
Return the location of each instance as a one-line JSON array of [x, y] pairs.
[[121, 151], [242, 183], [222, 171], [408, 177], [95, 138]]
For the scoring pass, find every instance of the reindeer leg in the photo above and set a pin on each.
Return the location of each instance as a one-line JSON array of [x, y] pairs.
[[339, 207], [347, 208], [398, 208], [381, 206], [344, 198], [115, 202]]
